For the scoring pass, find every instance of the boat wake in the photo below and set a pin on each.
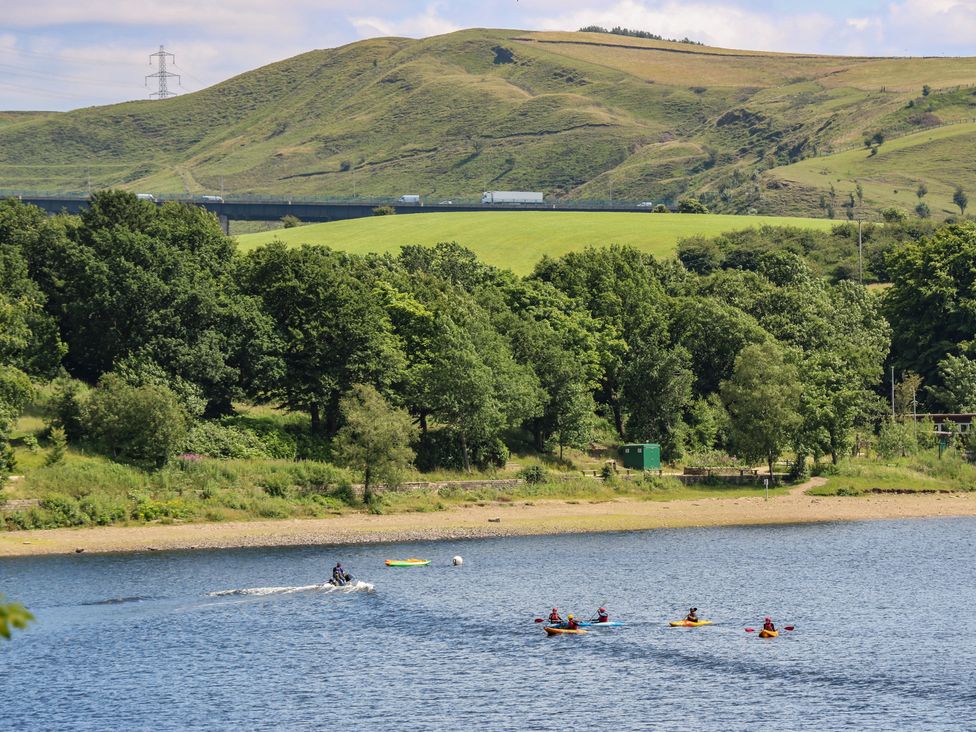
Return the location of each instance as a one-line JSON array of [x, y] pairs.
[[357, 586]]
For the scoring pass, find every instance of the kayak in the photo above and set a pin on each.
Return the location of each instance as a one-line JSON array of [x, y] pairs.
[[768, 633], [609, 624], [688, 623], [563, 631], [407, 562]]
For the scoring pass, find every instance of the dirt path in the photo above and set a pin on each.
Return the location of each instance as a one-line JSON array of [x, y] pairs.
[[503, 519]]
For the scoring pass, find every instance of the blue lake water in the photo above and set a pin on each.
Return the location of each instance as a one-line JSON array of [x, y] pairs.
[[883, 611]]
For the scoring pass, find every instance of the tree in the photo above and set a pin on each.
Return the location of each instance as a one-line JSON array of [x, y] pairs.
[[893, 215], [763, 401], [375, 438], [16, 392], [144, 425], [330, 327], [157, 283], [692, 205], [921, 191], [859, 189], [961, 200], [958, 376], [13, 616], [657, 389], [922, 210], [931, 303], [59, 446], [926, 90], [288, 221]]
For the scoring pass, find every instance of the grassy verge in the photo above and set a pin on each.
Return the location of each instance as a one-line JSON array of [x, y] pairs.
[[89, 490], [921, 473]]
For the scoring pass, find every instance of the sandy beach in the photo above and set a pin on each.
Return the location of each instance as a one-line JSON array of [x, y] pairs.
[[502, 519]]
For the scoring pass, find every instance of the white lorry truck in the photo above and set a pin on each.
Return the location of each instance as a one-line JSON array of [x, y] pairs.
[[511, 197]]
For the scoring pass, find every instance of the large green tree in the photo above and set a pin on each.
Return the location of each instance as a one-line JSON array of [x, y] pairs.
[[931, 303], [331, 327], [763, 401]]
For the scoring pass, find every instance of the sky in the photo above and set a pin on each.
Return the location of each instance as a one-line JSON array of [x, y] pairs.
[[64, 54]]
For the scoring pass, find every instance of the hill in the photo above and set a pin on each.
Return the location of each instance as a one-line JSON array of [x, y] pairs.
[[579, 115], [517, 240]]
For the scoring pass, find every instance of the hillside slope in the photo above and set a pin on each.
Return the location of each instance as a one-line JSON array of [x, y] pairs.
[[577, 115]]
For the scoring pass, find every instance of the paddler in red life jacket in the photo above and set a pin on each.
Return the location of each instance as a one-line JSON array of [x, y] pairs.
[[554, 617], [602, 616], [571, 623], [768, 625], [692, 616]]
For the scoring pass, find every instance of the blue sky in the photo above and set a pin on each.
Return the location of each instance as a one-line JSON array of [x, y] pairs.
[[63, 54]]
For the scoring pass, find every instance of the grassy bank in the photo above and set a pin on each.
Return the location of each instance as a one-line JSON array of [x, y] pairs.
[[516, 240], [921, 473]]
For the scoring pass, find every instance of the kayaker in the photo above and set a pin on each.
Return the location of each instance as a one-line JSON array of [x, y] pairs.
[[692, 616], [602, 616], [554, 617], [571, 623], [768, 625]]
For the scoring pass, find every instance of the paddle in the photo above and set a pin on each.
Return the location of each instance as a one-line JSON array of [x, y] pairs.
[[785, 627]]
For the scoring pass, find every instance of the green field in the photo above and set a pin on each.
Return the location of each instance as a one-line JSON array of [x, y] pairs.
[[575, 115], [516, 240]]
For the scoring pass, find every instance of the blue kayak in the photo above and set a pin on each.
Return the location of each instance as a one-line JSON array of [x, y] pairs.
[[611, 624]]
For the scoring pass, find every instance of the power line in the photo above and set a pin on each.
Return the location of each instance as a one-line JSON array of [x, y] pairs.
[[64, 57], [45, 76], [162, 76]]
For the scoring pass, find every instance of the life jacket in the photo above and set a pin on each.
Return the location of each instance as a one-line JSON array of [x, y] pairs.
[[572, 624], [554, 618], [769, 626], [602, 618]]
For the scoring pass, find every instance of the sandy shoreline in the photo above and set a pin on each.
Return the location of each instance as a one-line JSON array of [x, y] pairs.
[[515, 519]]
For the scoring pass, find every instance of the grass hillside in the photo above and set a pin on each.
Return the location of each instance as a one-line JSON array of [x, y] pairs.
[[941, 158], [516, 240], [573, 114]]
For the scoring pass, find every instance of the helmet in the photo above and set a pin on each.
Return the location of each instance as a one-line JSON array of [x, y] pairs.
[[555, 610], [603, 609], [769, 620], [570, 616]]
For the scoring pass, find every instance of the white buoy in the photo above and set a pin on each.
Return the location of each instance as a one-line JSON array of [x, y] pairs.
[[457, 561]]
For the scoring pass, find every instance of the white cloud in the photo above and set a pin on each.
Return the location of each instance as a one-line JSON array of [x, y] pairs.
[[717, 23], [428, 23]]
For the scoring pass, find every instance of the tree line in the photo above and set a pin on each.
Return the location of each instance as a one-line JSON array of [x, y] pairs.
[[151, 326]]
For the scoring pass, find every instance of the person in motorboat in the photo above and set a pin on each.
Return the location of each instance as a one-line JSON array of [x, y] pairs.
[[768, 625], [692, 616], [571, 623], [602, 616], [554, 617], [339, 575]]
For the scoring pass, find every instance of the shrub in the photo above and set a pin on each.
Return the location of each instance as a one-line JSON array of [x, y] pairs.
[[692, 205], [922, 210], [143, 424], [217, 440], [533, 474], [59, 446], [661, 208], [63, 511], [290, 222], [384, 211], [275, 485]]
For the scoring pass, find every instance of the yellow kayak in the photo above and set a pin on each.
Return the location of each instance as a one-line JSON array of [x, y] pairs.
[[407, 562], [563, 631], [688, 623], [768, 633]]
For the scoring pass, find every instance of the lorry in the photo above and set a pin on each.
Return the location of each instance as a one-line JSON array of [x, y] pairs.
[[511, 197], [409, 198], [146, 197]]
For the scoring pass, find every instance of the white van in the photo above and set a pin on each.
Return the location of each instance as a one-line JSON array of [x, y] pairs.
[[212, 199], [146, 197], [409, 198]]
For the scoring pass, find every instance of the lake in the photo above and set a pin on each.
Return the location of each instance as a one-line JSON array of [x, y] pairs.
[[883, 615]]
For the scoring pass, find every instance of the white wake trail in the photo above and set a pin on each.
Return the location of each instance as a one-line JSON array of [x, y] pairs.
[[357, 586]]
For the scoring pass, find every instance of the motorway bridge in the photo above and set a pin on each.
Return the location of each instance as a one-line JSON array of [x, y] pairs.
[[319, 211]]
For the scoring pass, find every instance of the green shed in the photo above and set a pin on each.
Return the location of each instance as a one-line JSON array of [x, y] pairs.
[[641, 456]]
